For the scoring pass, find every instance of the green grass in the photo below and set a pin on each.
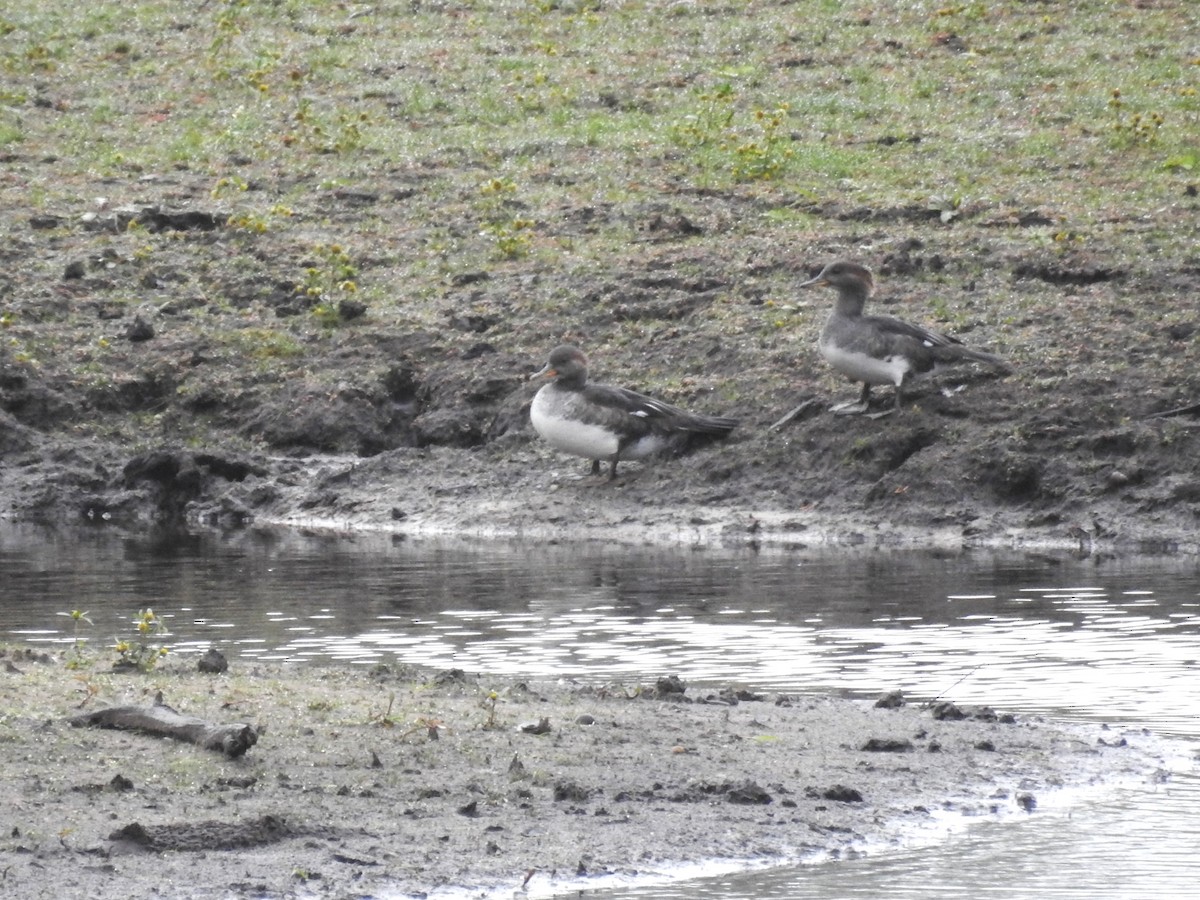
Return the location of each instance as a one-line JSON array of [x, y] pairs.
[[746, 116], [501, 76]]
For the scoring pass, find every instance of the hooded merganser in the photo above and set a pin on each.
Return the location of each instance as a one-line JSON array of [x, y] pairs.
[[599, 421], [881, 349]]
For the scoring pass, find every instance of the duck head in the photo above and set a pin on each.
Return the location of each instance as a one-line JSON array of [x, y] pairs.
[[566, 364], [845, 276]]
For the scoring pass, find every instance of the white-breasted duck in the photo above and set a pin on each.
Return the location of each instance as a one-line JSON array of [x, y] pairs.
[[603, 422], [881, 349]]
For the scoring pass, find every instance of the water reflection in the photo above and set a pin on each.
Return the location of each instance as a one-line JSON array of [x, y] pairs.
[[1106, 638]]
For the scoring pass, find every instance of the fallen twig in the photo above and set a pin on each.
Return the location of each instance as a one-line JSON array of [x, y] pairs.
[[795, 413], [232, 740], [1180, 411]]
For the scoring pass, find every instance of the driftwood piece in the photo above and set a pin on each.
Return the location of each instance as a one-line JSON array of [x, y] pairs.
[[159, 719], [1179, 411], [796, 413]]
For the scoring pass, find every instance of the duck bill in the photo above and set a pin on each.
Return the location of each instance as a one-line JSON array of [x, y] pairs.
[[545, 372], [819, 281]]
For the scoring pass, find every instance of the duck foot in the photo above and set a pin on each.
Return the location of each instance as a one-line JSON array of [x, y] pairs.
[[850, 408], [587, 479]]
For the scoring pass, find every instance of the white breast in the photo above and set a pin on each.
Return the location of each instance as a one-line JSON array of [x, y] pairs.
[[863, 367], [570, 435], [649, 445]]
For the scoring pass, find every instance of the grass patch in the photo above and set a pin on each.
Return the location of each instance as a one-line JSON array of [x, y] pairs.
[[530, 156]]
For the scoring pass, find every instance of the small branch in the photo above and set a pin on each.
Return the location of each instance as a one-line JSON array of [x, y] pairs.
[[1181, 411], [233, 740], [795, 413]]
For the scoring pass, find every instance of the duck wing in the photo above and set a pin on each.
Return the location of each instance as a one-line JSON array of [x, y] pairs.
[[644, 414], [893, 328], [927, 346]]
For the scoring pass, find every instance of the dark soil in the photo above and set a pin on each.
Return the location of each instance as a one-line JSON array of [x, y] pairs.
[[389, 427]]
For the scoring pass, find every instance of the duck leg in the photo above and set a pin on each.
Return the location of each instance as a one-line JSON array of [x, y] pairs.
[[854, 407], [897, 399]]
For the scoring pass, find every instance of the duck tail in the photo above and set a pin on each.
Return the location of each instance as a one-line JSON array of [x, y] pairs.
[[698, 431], [959, 353], [716, 426]]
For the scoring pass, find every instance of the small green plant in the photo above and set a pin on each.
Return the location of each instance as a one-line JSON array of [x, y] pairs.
[[9, 134], [765, 149], [757, 150], [330, 283], [495, 190], [489, 703], [512, 239], [511, 235], [432, 727], [341, 134], [940, 308], [75, 657], [1132, 128], [1067, 242], [710, 121], [255, 222], [228, 26], [384, 719], [230, 184], [145, 649], [249, 222], [260, 345], [1188, 161]]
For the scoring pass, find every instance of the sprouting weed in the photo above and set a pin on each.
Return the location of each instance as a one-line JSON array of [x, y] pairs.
[[335, 272], [330, 283], [710, 121], [489, 703], [229, 184], [144, 650], [340, 134], [765, 152], [512, 239], [78, 617], [497, 187], [384, 719], [511, 235], [1132, 127], [431, 726], [757, 149]]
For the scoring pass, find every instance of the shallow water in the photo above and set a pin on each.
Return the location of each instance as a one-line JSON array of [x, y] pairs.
[[1112, 640]]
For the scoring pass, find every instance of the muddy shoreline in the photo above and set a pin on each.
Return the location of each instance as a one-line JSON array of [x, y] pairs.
[[518, 488], [293, 264], [401, 782]]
